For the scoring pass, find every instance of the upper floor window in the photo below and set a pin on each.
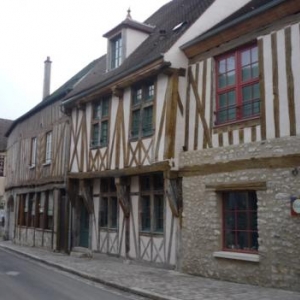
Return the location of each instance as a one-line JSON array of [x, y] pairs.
[[240, 221], [238, 95], [108, 215], [2, 158], [116, 52], [142, 110], [152, 203], [100, 123], [33, 152], [48, 153]]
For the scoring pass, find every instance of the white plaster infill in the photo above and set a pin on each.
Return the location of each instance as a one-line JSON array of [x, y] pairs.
[[237, 256]]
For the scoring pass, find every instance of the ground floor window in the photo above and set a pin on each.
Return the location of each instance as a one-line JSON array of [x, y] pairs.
[[240, 221], [108, 214], [152, 203]]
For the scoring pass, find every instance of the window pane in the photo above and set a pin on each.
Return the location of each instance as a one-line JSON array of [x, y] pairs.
[[105, 107], [231, 98], [231, 78], [145, 183], [159, 213], [254, 54], [113, 212], [135, 123], [232, 114], [149, 92], [116, 52], [103, 212], [104, 133], [242, 221], [158, 181], [223, 100], [222, 80], [105, 185], [145, 213], [246, 73], [95, 135], [247, 93], [97, 110], [255, 71], [137, 96], [230, 63], [246, 57], [147, 120], [222, 66]]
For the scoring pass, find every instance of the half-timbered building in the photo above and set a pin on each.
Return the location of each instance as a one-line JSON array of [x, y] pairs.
[[37, 157], [127, 129], [4, 125], [240, 167]]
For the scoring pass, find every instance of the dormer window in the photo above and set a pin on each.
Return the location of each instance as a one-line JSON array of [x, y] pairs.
[[116, 51]]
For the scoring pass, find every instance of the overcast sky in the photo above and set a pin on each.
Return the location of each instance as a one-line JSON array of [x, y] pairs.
[[69, 31]]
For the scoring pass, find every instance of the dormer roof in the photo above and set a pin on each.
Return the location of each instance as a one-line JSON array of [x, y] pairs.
[[129, 23]]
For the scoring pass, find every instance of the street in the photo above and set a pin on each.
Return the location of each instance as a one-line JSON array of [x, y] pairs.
[[24, 279]]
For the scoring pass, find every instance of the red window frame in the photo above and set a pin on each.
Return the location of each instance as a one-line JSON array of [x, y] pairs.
[[238, 108], [239, 216]]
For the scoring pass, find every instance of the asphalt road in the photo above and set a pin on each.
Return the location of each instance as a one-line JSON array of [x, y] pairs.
[[24, 279]]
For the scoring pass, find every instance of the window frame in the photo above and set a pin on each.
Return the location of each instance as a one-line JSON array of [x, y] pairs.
[[142, 101], [111, 212], [33, 152], [116, 51], [237, 86], [100, 116], [237, 234], [152, 221], [48, 148], [2, 165]]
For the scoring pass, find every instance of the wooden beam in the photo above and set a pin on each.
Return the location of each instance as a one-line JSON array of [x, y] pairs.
[[200, 109], [241, 186], [288, 161]]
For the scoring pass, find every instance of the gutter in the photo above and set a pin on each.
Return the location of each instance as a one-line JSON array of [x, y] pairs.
[[232, 23], [111, 80]]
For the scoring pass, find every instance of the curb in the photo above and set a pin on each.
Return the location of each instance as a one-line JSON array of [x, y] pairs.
[[133, 290]]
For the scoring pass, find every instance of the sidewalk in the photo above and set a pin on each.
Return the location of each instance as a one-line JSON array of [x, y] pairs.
[[155, 283]]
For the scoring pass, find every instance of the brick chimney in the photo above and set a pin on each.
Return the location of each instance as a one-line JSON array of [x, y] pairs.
[[47, 76]]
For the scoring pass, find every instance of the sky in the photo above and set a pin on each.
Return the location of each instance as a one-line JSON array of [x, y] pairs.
[[70, 32]]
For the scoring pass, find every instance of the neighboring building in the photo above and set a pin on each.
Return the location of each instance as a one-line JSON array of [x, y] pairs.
[[127, 119], [4, 125], [242, 141], [37, 156]]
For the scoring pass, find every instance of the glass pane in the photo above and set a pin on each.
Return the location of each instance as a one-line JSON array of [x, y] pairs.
[[149, 92], [223, 100], [147, 120], [256, 92], [105, 107], [255, 71], [242, 201], [232, 114], [104, 133], [135, 123], [158, 181], [222, 81], [229, 220], [113, 212], [246, 73], [145, 214], [104, 212], [254, 54], [95, 135], [231, 98], [159, 213], [231, 78], [242, 221], [253, 221], [230, 63], [222, 66], [113, 187], [253, 243], [145, 183], [242, 241], [137, 96], [247, 93], [104, 185], [97, 110], [222, 116], [246, 57]]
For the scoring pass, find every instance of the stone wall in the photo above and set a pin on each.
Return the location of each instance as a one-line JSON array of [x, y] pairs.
[[279, 232]]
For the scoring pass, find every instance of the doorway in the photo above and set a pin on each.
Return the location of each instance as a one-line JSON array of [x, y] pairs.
[[84, 226]]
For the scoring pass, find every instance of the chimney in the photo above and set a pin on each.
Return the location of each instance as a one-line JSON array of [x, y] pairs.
[[47, 75]]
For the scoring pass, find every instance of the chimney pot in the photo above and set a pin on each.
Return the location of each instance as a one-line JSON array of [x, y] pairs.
[[47, 77]]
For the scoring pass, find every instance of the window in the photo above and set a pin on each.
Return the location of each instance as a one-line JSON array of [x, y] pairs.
[[108, 214], [48, 153], [142, 110], [2, 165], [100, 123], [116, 52], [50, 206], [22, 208], [152, 203], [240, 221], [33, 152], [238, 95]]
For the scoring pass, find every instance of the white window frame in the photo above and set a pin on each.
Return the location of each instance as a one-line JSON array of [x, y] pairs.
[[33, 152], [48, 153]]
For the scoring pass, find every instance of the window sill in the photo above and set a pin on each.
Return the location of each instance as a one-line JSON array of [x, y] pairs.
[[237, 256], [149, 233], [236, 125], [31, 167], [46, 164]]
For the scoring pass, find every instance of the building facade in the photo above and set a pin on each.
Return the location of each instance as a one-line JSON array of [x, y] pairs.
[[241, 169]]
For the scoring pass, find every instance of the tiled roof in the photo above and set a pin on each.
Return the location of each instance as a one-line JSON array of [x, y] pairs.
[[4, 125], [57, 95], [184, 12]]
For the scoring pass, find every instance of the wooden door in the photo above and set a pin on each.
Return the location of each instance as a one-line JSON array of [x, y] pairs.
[[84, 227]]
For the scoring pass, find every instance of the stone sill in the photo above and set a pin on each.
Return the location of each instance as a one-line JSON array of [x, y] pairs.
[[237, 256]]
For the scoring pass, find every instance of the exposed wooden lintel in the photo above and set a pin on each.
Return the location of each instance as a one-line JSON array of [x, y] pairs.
[[261, 185], [288, 161]]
